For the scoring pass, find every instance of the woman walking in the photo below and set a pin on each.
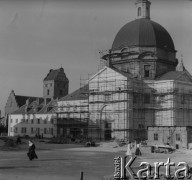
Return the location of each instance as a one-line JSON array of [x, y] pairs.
[[31, 152]]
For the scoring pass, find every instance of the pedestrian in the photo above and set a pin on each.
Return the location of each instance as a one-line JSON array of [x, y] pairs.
[[31, 152], [137, 152], [129, 153]]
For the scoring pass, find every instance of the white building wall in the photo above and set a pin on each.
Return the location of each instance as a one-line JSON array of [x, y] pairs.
[[108, 101], [29, 124]]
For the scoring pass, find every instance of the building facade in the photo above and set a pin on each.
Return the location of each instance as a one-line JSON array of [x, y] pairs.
[[36, 118], [73, 114], [143, 89], [26, 115]]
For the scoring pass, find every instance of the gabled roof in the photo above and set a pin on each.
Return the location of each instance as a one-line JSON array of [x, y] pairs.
[[174, 75], [79, 94], [53, 74], [35, 108], [51, 107], [21, 110], [125, 74], [21, 100]]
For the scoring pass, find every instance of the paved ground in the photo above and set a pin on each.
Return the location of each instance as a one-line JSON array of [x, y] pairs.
[[56, 162], [65, 162]]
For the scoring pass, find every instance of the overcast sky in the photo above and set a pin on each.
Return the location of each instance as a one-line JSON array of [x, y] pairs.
[[38, 35]]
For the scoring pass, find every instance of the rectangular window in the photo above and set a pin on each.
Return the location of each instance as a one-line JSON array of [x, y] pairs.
[[45, 130], [38, 130], [11, 129], [45, 121], [146, 71], [47, 91], [60, 92], [38, 121], [156, 137], [16, 120], [23, 130], [52, 121], [15, 130], [51, 131], [182, 99], [11, 120], [31, 121], [178, 137], [32, 130], [147, 98]]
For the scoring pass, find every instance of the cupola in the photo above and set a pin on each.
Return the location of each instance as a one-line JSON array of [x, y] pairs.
[[143, 9]]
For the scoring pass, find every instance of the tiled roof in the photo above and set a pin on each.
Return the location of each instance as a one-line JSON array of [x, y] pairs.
[[52, 75], [21, 100], [21, 110], [35, 108], [51, 107], [172, 75], [79, 94], [126, 74]]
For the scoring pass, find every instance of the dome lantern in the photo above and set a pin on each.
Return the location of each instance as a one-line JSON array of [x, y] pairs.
[[143, 9]]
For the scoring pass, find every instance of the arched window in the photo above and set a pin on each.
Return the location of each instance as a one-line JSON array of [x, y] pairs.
[[139, 11]]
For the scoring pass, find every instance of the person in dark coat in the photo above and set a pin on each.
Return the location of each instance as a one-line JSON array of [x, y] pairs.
[[31, 153], [137, 152]]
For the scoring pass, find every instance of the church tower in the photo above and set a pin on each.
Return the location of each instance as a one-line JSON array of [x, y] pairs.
[[55, 84], [143, 9]]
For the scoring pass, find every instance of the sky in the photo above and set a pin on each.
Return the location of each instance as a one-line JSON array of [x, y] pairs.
[[38, 35]]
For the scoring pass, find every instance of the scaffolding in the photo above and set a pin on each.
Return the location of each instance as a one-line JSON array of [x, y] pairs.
[[122, 106]]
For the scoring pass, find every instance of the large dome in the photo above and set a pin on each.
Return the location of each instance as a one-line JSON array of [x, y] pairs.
[[143, 33]]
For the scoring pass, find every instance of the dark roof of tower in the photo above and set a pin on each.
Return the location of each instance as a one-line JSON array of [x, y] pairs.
[[143, 33], [52, 75]]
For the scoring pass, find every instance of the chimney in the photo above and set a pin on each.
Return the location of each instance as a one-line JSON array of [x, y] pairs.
[[27, 103], [12, 92], [38, 101]]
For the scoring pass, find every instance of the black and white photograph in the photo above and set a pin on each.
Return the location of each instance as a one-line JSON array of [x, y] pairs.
[[95, 89]]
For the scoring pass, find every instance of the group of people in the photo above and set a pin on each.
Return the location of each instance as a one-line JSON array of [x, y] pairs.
[[129, 151]]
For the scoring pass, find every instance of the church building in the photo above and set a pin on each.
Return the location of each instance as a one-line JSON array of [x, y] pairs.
[[142, 92]]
